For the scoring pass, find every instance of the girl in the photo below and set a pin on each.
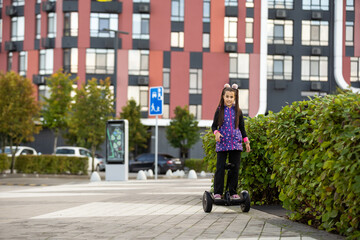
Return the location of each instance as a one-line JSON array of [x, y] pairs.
[[228, 127]]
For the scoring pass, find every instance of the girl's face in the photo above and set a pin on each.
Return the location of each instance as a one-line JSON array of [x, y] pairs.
[[229, 98]]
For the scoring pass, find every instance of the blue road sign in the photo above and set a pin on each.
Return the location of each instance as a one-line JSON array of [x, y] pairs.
[[156, 98]]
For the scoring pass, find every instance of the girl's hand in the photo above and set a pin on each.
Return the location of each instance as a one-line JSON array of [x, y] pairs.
[[247, 146], [217, 136]]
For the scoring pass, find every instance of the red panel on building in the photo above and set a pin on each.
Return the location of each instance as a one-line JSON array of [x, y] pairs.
[[58, 59], [84, 25], [346, 69], [81, 67], [125, 24], [217, 14], [241, 28], [30, 25], [155, 70], [193, 26], [257, 27], [122, 80], [32, 65], [254, 84], [215, 75], [179, 80], [160, 25], [59, 25]]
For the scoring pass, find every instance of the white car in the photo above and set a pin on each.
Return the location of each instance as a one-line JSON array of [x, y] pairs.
[[79, 152], [21, 150]]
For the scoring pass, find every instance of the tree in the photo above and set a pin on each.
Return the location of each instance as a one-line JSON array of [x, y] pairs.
[[57, 106], [19, 111], [138, 134], [92, 108], [183, 131]]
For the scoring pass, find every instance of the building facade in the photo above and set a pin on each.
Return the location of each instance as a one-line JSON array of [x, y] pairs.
[[277, 51]]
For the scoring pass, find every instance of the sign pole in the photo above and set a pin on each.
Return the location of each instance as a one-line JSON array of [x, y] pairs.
[[156, 148]]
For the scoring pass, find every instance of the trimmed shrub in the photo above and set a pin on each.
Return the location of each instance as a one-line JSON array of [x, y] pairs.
[[316, 156], [50, 164], [4, 162], [196, 164]]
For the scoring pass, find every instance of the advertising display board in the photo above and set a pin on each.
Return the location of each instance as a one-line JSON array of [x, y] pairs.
[[117, 150]]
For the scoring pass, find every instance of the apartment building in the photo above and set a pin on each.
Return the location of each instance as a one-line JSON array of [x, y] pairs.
[[277, 51]]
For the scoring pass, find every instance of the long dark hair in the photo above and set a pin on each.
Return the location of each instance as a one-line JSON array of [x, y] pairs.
[[222, 106]]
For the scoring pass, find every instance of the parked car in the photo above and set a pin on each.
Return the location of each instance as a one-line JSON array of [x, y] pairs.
[[146, 161], [21, 150], [80, 152], [101, 161]]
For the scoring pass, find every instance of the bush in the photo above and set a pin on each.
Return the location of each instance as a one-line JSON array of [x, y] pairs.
[[4, 162], [316, 156], [196, 164], [50, 164], [311, 151]]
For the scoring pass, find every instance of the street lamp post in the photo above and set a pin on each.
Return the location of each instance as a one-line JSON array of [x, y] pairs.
[[115, 59]]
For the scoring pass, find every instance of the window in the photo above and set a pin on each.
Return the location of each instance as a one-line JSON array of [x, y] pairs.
[[206, 40], [99, 21], [195, 79], [314, 68], [195, 110], [100, 61], [46, 61], [166, 80], [22, 63], [17, 29], [281, 4], [141, 26], [239, 65], [249, 30], [9, 61], [51, 25], [177, 39], [38, 26], [355, 69], [230, 31], [280, 31], [279, 67], [249, 3], [1, 3], [71, 24], [139, 62], [71, 60], [177, 10], [349, 34], [231, 3], [166, 111], [206, 11], [140, 95], [315, 5], [315, 33], [18, 2], [44, 92], [244, 100], [349, 5]]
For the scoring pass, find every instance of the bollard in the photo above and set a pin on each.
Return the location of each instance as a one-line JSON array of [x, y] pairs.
[[202, 174], [95, 177], [141, 175], [150, 173], [169, 173], [192, 174]]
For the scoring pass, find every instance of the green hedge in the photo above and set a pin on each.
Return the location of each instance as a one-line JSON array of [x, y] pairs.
[[196, 164], [50, 164], [4, 162], [311, 152]]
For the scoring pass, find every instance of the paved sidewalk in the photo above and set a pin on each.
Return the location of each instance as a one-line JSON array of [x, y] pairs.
[[152, 209]]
